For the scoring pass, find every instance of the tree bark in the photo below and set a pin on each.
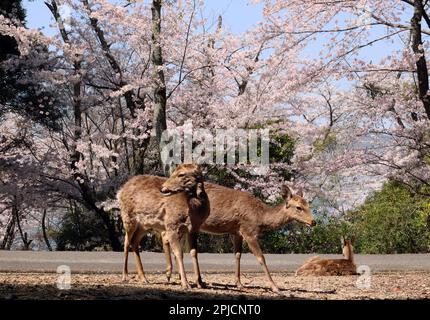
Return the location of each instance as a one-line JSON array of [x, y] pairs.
[[90, 204], [45, 236], [24, 236], [9, 234], [160, 96], [421, 63]]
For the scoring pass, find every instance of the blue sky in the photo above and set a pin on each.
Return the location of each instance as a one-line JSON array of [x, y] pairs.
[[238, 15]]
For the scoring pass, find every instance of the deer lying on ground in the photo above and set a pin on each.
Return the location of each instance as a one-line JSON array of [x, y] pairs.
[[174, 206], [316, 266], [245, 217]]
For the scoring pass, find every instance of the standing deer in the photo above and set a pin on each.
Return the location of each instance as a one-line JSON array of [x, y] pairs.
[[245, 217], [174, 206], [316, 266]]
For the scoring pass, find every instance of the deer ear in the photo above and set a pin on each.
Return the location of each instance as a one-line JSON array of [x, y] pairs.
[[343, 241], [286, 193], [172, 167], [300, 192], [198, 168]]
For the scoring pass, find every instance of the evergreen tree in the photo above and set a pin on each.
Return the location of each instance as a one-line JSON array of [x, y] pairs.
[[16, 95], [8, 46]]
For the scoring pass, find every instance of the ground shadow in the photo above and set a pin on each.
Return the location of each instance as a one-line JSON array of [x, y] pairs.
[[126, 292]]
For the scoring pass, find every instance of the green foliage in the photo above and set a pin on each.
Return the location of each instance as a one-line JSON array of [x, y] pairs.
[[328, 143], [297, 238], [151, 242], [12, 9], [80, 230], [392, 221], [8, 46], [281, 150], [215, 243], [281, 145], [427, 159]]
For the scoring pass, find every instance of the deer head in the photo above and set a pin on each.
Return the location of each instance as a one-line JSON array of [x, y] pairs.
[[186, 177], [297, 208]]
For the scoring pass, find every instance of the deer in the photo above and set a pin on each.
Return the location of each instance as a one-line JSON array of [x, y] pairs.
[[245, 217], [175, 206], [316, 266]]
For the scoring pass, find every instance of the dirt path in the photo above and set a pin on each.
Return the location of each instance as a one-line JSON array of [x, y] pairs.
[[399, 285]]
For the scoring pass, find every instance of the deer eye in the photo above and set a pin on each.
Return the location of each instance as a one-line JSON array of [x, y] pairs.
[[181, 175], [299, 208]]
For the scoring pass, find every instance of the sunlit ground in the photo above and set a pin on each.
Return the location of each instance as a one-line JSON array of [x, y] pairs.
[[404, 285]]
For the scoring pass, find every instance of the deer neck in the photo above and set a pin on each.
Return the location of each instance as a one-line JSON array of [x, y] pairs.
[[349, 254], [275, 217]]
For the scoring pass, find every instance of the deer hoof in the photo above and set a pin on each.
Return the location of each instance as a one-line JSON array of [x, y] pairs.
[[201, 284], [239, 285], [276, 290], [186, 286]]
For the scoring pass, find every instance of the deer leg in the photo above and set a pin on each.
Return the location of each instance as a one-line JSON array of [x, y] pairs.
[[177, 269], [130, 229], [237, 243], [192, 239], [167, 255], [256, 250], [135, 247], [126, 246], [174, 239]]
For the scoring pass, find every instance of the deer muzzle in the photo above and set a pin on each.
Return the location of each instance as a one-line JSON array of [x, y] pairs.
[[165, 191]]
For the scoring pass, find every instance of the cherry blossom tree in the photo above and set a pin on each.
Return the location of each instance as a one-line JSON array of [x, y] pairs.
[[113, 79], [124, 71], [355, 117]]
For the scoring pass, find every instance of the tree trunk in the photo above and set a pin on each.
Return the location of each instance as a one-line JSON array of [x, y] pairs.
[[421, 64], [90, 203], [160, 98], [24, 236], [9, 234], [45, 236]]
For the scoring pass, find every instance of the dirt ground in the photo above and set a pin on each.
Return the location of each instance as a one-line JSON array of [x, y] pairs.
[[406, 285]]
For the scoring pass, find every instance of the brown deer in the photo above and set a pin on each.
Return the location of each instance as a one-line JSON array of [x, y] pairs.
[[245, 217], [316, 266], [174, 206]]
